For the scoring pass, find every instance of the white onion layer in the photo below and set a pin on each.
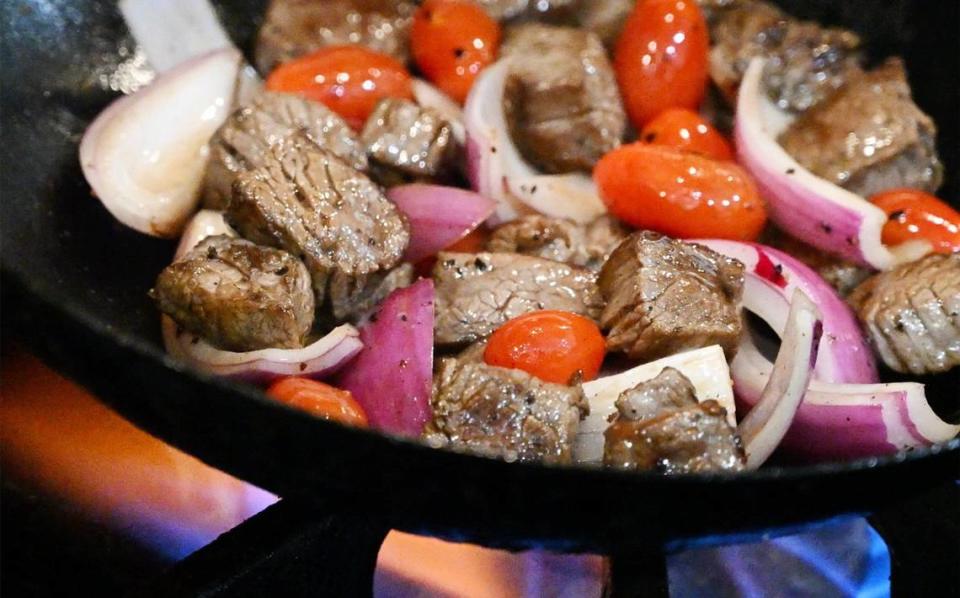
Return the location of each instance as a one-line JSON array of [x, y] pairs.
[[145, 155], [173, 31], [706, 368]]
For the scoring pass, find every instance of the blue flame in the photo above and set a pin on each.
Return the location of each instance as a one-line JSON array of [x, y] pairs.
[[844, 558]]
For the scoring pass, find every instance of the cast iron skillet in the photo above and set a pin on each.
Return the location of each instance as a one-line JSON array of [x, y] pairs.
[[75, 287]]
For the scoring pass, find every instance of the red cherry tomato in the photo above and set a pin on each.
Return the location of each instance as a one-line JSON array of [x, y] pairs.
[[451, 42], [551, 345], [319, 399], [474, 242], [688, 131], [350, 80], [661, 58], [680, 194], [917, 215]]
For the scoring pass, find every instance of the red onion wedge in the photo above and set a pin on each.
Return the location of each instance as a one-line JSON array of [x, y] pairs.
[[322, 357], [846, 421], [439, 216], [706, 368], [392, 378], [772, 278], [768, 421], [429, 96], [497, 170], [806, 206], [145, 155]]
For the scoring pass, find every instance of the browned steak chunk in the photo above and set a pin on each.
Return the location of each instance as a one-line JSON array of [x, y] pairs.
[[237, 295], [870, 136], [805, 62], [661, 426], [246, 138], [354, 296], [912, 314], [559, 240], [605, 18], [561, 98], [477, 292], [401, 136], [316, 206], [292, 28], [665, 296], [497, 412]]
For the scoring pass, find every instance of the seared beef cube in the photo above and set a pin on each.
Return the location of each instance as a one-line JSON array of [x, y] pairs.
[[355, 296], [561, 97], [237, 295], [292, 28], [477, 292], [665, 296], [912, 314], [559, 240], [498, 412], [805, 62], [661, 426], [246, 138], [603, 235], [605, 18], [869, 137], [316, 206], [402, 136]]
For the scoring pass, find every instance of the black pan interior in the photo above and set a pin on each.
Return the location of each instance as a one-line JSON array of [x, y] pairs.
[[75, 284]]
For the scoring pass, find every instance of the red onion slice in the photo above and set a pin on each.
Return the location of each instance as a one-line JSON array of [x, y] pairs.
[[318, 359], [145, 155], [497, 170], [768, 421], [846, 421], [392, 378], [772, 278], [808, 207], [323, 357], [439, 216]]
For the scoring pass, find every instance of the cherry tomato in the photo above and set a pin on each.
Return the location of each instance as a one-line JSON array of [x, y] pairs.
[[661, 58], [680, 194], [551, 345], [350, 80], [319, 399], [474, 242], [451, 42], [686, 130], [917, 215]]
